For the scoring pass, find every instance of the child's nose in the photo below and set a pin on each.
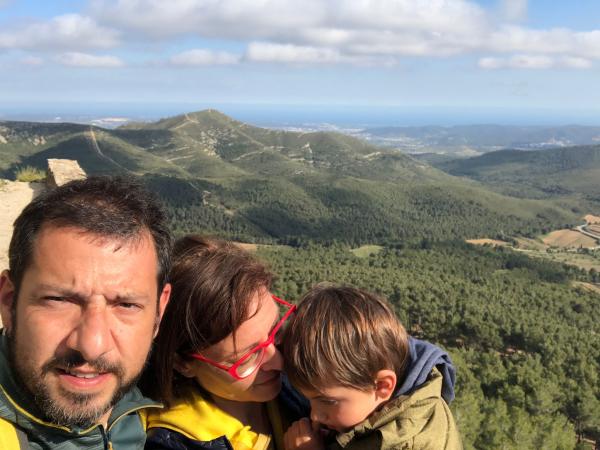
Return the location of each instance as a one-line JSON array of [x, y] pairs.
[[316, 415]]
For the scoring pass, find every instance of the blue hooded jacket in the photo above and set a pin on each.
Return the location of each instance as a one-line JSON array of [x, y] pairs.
[[424, 356]]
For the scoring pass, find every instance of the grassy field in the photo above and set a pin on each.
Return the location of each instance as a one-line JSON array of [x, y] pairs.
[[581, 260], [563, 246], [366, 250], [486, 241], [568, 239]]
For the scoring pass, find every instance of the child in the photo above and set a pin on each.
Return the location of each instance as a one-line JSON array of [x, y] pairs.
[[346, 352]]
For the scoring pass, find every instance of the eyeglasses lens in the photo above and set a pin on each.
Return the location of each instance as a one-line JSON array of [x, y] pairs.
[[251, 363]]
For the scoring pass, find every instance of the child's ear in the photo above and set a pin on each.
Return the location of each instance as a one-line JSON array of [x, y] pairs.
[[385, 383], [183, 366]]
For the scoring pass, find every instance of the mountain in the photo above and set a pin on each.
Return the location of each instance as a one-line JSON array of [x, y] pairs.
[[468, 140], [220, 175], [570, 173]]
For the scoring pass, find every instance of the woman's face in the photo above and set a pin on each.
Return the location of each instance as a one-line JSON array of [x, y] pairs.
[[265, 382]]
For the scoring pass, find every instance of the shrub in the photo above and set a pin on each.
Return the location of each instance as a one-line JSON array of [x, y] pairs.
[[29, 173]]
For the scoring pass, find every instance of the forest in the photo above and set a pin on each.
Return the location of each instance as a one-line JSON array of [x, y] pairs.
[[525, 342]]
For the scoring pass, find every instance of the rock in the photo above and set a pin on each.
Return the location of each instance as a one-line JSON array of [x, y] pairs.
[[14, 196], [61, 171]]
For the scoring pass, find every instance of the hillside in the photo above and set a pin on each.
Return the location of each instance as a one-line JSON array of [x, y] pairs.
[[221, 175], [570, 173]]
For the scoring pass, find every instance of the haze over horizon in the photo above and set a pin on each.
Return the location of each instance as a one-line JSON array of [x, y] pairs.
[[349, 63]]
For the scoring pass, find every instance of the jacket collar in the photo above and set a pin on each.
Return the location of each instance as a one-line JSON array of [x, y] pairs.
[[411, 410]]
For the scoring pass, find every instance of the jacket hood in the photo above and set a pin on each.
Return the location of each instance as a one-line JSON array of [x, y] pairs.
[[424, 357]]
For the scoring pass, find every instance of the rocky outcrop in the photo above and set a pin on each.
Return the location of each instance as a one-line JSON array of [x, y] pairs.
[[15, 195], [61, 171]]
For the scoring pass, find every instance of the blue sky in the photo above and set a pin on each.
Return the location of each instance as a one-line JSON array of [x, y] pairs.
[[495, 60]]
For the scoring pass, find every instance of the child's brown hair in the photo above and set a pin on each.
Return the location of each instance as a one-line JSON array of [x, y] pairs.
[[341, 335]]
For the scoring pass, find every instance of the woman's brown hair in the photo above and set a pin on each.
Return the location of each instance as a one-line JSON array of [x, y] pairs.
[[212, 284]]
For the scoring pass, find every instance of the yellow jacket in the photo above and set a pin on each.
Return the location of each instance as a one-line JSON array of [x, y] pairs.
[[201, 420]]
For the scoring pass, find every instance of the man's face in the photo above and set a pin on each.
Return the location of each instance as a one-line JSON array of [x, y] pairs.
[[84, 321]]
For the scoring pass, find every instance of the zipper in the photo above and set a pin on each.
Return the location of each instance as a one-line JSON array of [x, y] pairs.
[[137, 408], [107, 444]]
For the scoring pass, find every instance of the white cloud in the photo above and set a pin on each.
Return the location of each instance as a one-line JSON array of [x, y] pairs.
[[289, 21], [317, 31], [76, 59], [203, 57], [534, 62], [531, 62], [513, 10], [490, 62], [576, 63], [31, 61], [288, 53], [66, 32], [212, 18]]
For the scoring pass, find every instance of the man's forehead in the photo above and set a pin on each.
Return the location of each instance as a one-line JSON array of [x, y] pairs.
[[134, 242], [65, 247]]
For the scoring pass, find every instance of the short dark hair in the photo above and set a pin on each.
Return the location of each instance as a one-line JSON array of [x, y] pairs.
[[112, 207], [213, 282], [342, 336]]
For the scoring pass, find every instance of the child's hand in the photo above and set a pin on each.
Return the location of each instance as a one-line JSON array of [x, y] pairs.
[[303, 435]]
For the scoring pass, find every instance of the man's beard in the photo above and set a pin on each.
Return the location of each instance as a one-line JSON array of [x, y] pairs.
[[63, 407]]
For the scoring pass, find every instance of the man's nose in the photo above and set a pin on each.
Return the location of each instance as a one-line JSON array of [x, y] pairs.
[[272, 360], [92, 335]]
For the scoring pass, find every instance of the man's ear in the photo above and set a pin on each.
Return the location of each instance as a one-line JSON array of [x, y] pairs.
[[183, 366], [385, 383], [163, 301], [7, 298]]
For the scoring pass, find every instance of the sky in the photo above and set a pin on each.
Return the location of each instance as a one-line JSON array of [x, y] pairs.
[[404, 61]]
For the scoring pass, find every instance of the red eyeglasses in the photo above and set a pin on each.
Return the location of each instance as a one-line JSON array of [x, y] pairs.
[[250, 361]]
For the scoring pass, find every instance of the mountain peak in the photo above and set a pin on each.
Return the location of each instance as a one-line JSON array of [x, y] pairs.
[[207, 118]]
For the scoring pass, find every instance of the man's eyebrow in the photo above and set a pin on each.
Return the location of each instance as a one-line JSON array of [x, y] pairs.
[[69, 293], [60, 291]]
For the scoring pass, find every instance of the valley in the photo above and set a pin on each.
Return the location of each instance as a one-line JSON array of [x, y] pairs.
[[516, 305]]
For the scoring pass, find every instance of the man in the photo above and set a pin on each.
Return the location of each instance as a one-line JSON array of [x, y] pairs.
[[81, 303]]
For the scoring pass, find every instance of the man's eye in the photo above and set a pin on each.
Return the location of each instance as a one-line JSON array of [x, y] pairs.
[[54, 298], [127, 305]]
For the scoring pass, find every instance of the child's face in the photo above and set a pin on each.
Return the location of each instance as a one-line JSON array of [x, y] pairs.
[[341, 408]]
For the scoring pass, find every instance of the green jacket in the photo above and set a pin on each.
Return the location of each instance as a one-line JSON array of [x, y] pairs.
[[21, 425], [418, 421]]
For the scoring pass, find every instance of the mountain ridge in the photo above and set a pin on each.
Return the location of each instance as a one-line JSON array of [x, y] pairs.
[[219, 174], [553, 173]]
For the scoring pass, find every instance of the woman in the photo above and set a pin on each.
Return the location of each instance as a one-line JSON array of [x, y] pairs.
[[215, 364]]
